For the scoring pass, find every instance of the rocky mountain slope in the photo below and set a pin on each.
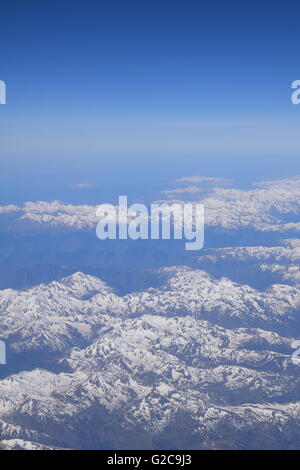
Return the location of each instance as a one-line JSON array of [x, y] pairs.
[[210, 357]]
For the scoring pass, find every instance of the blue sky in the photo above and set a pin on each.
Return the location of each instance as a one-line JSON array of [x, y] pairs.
[[101, 91]]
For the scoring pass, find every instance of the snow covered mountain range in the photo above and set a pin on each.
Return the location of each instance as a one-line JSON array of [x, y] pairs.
[[212, 356], [172, 351], [270, 206]]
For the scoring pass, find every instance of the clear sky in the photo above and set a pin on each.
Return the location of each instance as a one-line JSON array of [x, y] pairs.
[[103, 91]]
